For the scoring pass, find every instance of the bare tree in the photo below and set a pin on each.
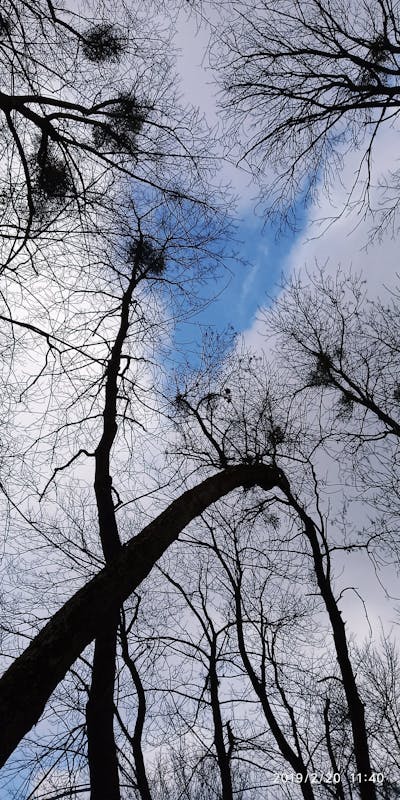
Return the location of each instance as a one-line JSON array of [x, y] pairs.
[[257, 436], [86, 315], [340, 353], [256, 448], [78, 191], [311, 82], [88, 110], [54, 650]]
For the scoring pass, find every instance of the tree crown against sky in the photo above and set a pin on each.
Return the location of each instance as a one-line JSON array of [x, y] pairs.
[[307, 83], [89, 108], [240, 554], [197, 647]]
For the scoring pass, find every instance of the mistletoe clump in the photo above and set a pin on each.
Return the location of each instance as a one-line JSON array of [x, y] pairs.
[[102, 43], [320, 375], [121, 127], [52, 177], [146, 257]]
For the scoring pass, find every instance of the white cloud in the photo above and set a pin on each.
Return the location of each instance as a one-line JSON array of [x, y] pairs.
[[200, 89], [248, 283], [334, 236], [346, 243]]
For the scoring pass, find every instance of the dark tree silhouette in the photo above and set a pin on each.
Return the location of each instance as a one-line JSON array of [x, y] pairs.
[[29, 682], [311, 82], [108, 228], [84, 111]]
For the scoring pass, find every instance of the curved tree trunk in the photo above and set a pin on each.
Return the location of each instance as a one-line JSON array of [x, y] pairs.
[[28, 683], [136, 740], [355, 704], [291, 756]]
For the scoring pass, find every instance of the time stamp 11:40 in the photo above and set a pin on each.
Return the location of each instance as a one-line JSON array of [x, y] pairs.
[[328, 777]]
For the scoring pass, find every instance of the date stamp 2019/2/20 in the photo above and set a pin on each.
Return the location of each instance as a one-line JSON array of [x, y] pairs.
[[328, 777]]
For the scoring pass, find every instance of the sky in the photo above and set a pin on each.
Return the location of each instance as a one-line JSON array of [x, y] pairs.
[[254, 279], [264, 257], [252, 284]]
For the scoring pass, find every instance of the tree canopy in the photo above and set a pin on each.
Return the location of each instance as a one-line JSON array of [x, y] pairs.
[[184, 525]]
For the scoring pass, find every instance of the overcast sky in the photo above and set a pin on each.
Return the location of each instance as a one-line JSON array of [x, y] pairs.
[[244, 290], [345, 242], [252, 285]]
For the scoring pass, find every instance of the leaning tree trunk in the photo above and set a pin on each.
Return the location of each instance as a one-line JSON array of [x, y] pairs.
[[28, 683]]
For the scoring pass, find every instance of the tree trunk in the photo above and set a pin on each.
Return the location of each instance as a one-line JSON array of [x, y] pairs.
[[28, 683], [222, 756], [102, 756], [294, 759], [354, 702], [102, 750]]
